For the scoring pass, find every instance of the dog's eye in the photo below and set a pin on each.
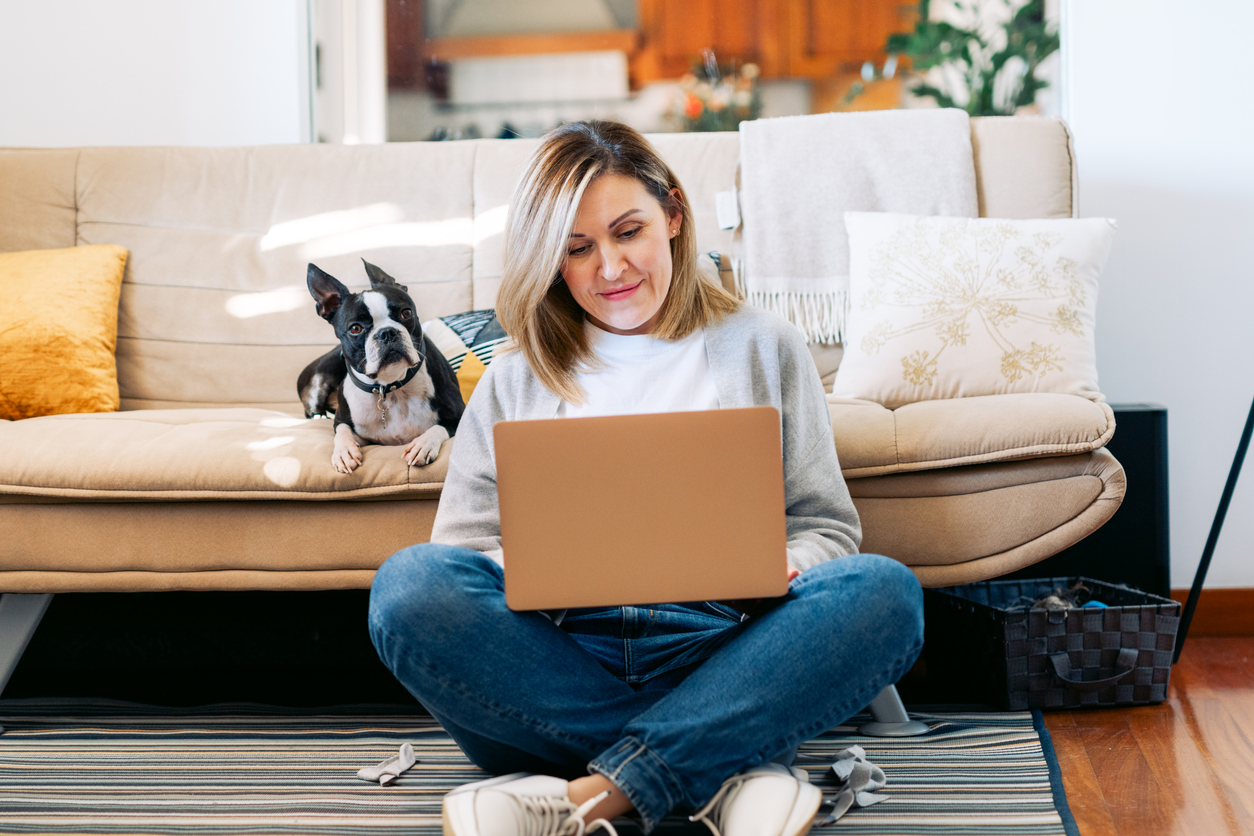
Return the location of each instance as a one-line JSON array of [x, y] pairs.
[[354, 329], [406, 313]]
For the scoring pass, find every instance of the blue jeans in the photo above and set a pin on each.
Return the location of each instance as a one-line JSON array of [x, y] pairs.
[[685, 697]]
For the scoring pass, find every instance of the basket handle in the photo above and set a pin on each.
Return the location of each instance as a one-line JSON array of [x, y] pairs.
[[1124, 665]]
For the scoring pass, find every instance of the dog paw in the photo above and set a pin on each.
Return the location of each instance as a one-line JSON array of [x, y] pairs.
[[346, 459], [424, 449], [420, 452]]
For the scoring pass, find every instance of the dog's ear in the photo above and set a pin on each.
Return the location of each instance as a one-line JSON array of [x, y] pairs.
[[326, 290], [378, 277]]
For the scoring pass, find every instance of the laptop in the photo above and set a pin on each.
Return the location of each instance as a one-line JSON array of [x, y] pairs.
[[642, 509]]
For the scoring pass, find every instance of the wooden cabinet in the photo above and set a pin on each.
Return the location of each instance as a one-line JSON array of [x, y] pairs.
[[824, 37], [816, 39], [674, 34], [786, 38]]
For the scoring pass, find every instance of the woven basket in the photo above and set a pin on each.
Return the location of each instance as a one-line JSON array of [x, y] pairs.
[[1117, 655]]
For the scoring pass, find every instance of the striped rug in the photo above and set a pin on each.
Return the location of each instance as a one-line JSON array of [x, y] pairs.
[[114, 768]]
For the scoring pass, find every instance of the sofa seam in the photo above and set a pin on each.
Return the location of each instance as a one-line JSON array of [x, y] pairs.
[[207, 404], [97, 572], [989, 490], [245, 290], [1011, 454], [77, 159], [399, 489], [1073, 173], [896, 441], [220, 230], [242, 345]]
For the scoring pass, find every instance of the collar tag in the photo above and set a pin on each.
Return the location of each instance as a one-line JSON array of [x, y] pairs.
[[382, 402]]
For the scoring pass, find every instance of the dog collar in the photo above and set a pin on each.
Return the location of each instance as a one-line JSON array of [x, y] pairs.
[[382, 389]]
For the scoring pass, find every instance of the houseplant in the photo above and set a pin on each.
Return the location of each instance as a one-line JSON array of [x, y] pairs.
[[987, 63]]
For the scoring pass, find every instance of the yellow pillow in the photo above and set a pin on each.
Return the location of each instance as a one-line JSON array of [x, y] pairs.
[[58, 330]]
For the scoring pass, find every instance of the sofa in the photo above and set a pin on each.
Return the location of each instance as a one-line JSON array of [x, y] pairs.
[[210, 478]]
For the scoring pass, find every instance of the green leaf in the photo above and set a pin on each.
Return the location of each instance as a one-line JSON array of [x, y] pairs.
[[936, 94], [937, 43]]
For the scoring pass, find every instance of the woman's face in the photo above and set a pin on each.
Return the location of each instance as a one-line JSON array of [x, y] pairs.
[[618, 263]]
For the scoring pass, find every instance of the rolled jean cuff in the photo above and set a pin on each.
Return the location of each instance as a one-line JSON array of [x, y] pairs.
[[646, 780]]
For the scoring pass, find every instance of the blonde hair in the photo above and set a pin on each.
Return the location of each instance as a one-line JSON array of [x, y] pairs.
[[536, 309]]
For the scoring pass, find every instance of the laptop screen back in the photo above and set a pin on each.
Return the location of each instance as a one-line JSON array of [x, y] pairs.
[[640, 509]]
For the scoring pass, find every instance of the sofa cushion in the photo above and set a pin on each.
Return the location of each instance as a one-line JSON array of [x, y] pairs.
[[57, 357], [1006, 186], [241, 453], [214, 307], [38, 207], [872, 440], [956, 307], [212, 454]]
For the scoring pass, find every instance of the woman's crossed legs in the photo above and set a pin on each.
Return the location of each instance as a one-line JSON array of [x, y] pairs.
[[518, 693]]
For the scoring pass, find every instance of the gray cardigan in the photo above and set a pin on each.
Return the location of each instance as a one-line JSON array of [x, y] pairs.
[[757, 359]]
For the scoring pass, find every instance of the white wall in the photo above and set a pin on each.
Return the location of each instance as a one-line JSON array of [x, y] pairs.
[[1159, 98], [153, 72]]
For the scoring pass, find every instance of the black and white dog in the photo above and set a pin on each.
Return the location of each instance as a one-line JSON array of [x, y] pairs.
[[386, 382]]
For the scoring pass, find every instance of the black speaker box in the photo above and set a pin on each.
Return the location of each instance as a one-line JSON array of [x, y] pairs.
[[1132, 547]]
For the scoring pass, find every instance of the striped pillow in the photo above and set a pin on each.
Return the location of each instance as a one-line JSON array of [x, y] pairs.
[[468, 341]]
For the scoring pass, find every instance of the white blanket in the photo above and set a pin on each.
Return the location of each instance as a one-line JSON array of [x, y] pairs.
[[800, 174]]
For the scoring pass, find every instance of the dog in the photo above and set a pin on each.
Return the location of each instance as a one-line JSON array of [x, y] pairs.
[[386, 382]]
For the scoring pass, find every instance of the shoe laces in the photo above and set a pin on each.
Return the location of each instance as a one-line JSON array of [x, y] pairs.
[[712, 813], [548, 816]]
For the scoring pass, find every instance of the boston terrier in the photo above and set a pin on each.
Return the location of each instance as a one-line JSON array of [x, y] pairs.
[[386, 382]]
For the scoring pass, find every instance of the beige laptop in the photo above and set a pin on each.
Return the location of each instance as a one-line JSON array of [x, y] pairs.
[[642, 509]]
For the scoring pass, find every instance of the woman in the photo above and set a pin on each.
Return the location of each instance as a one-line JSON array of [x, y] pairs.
[[694, 707]]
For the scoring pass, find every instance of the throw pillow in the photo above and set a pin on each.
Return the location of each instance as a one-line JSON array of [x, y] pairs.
[[469, 341], [958, 307], [58, 330]]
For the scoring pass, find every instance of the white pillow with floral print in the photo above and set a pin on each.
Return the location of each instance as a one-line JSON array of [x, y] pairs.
[[956, 307]]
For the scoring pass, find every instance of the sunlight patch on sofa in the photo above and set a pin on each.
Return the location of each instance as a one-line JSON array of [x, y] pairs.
[[451, 232], [376, 226], [282, 422], [269, 443], [282, 471], [247, 305], [491, 223], [303, 230]]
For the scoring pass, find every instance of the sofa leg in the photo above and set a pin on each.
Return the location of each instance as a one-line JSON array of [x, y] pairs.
[[891, 719], [19, 616]]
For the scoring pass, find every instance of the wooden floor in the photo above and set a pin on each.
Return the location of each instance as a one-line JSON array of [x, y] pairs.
[[1183, 767]]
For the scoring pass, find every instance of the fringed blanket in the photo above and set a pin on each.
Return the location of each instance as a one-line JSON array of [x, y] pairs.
[[800, 174]]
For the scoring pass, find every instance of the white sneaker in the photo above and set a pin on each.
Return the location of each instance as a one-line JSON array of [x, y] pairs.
[[521, 804], [767, 800]]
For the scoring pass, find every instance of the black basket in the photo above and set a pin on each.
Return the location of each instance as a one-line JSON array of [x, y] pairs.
[[1117, 655]]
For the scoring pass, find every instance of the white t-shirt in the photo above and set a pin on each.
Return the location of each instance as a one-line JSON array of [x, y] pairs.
[[644, 374]]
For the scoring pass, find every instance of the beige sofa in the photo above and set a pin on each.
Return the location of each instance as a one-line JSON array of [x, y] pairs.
[[209, 479]]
